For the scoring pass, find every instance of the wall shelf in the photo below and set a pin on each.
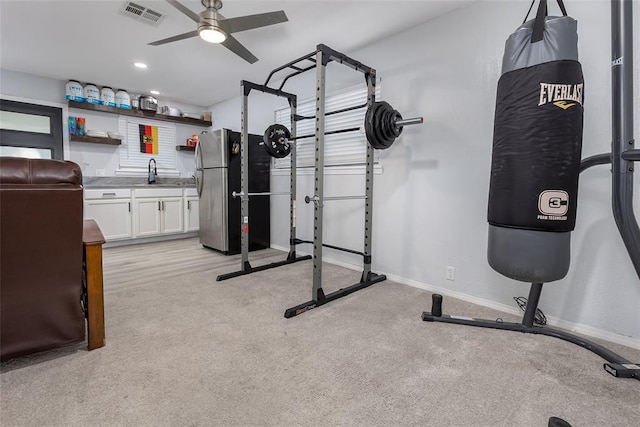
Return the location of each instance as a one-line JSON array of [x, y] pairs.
[[94, 140], [185, 148], [138, 113]]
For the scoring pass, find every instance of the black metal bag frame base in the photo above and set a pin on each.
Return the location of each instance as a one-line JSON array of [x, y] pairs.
[[247, 269], [615, 364], [371, 279]]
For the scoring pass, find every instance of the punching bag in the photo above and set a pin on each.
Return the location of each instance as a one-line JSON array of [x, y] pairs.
[[537, 144]]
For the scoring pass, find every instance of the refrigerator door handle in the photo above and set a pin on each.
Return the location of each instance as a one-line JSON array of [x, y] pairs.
[[198, 157], [199, 182]]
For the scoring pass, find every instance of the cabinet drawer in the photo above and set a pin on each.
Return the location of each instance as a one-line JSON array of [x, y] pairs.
[[188, 192], [107, 193], [157, 192]]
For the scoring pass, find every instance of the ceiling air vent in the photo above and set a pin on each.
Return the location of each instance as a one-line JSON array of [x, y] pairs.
[[141, 13]]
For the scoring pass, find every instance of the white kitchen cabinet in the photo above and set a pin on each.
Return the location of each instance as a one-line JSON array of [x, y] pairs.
[[111, 209], [191, 210], [126, 213], [147, 216], [171, 214], [157, 211]]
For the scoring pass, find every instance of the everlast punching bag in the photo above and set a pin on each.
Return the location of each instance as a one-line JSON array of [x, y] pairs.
[[537, 145]]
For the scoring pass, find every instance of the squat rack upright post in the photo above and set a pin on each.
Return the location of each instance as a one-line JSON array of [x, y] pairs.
[[245, 267], [323, 56]]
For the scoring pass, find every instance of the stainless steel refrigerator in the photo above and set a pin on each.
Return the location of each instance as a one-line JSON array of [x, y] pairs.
[[217, 177]]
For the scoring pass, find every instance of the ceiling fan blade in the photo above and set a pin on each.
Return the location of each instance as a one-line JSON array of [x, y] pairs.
[[249, 22], [184, 10], [174, 38], [234, 46]]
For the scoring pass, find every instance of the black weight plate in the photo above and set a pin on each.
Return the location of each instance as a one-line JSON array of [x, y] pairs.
[[377, 137], [397, 130], [387, 124], [379, 128], [381, 134], [384, 125], [368, 125], [380, 125], [276, 141]]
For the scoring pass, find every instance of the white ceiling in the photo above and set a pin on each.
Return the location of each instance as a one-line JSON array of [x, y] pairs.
[[92, 42]]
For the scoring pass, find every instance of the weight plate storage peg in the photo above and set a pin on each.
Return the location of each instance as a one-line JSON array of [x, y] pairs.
[[276, 141]]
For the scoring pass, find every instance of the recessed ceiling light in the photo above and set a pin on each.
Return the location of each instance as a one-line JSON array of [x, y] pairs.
[[154, 92], [140, 65]]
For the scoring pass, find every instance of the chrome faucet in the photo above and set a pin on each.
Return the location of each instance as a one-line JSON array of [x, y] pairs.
[[152, 173]]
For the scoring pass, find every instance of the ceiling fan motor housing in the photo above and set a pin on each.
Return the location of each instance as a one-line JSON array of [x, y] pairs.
[[209, 20], [212, 4]]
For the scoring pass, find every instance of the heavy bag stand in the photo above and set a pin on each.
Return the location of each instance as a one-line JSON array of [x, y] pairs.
[[621, 158]]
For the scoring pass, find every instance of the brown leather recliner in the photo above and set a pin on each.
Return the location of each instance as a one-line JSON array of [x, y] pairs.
[[41, 252]]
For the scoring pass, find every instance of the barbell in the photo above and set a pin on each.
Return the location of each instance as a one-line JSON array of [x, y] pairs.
[[382, 125], [265, 193]]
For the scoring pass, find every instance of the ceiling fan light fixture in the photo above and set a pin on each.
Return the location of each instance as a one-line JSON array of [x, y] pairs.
[[215, 28], [212, 35]]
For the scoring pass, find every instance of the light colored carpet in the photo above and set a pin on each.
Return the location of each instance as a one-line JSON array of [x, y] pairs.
[[189, 351]]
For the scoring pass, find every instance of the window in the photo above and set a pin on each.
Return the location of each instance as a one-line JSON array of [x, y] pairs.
[[25, 122], [30, 130], [340, 149], [132, 159]]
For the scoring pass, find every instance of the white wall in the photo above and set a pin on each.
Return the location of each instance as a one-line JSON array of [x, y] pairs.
[[227, 114], [431, 200], [91, 157]]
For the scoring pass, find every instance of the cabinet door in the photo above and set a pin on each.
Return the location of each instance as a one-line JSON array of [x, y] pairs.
[[172, 215], [191, 217], [112, 216], [147, 217]]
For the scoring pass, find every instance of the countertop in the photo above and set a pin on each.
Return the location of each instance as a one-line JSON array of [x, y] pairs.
[[135, 182]]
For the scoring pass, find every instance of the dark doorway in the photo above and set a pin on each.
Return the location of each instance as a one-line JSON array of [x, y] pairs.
[[30, 130]]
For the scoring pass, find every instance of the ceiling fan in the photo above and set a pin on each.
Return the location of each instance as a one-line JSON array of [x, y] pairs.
[[215, 28]]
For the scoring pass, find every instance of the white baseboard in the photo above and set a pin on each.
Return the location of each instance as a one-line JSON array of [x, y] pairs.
[[140, 240], [595, 332], [455, 294], [579, 328]]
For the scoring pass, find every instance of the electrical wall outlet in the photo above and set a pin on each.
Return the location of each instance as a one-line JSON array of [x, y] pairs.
[[451, 273], [100, 172]]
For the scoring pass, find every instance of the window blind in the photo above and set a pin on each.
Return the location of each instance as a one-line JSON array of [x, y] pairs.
[[130, 154], [339, 149]]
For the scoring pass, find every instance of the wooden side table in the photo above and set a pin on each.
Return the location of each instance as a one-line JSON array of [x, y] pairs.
[[92, 241]]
